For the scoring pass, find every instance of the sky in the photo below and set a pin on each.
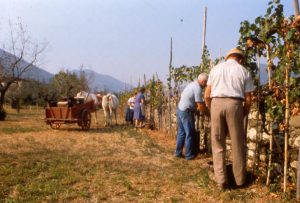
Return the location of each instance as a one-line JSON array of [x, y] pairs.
[[129, 38]]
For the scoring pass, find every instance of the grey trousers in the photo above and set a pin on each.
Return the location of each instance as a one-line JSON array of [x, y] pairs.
[[227, 118]]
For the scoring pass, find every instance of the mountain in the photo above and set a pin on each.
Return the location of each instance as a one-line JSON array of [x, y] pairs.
[[102, 82], [99, 82], [34, 72]]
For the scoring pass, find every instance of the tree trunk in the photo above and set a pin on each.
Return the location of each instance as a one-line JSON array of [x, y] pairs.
[[2, 97]]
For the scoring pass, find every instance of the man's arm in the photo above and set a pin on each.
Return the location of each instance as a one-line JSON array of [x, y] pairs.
[[207, 97], [201, 107], [247, 103]]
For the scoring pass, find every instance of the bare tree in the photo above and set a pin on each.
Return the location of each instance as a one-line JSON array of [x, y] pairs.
[[23, 55]]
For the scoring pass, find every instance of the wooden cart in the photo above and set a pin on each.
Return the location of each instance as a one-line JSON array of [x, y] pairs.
[[77, 113]]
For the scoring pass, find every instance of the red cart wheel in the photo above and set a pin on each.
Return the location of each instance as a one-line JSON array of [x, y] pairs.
[[55, 125], [85, 120]]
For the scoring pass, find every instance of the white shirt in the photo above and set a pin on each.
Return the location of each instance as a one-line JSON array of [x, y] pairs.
[[230, 79], [130, 102]]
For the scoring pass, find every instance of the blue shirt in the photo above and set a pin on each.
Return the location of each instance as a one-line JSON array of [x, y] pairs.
[[191, 94]]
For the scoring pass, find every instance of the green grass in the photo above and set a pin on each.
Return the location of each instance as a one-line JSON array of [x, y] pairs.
[[32, 176]]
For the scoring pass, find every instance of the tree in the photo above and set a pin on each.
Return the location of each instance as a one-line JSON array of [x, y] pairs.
[[67, 84], [13, 66]]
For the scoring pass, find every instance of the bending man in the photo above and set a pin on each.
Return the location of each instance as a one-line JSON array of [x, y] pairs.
[[191, 99]]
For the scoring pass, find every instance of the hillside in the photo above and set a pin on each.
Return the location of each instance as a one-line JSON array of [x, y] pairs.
[[34, 73], [102, 82], [98, 82]]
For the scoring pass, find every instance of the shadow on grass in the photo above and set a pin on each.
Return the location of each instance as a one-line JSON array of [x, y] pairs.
[[95, 129]]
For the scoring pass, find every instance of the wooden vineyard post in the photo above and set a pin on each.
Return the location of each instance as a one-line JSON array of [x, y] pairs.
[[271, 123], [286, 127], [170, 90], [269, 66], [298, 177], [270, 154], [296, 7], [204, 29], [203, 37], [258, 97]]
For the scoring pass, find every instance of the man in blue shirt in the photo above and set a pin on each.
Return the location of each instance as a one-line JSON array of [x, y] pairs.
[[190, 101]]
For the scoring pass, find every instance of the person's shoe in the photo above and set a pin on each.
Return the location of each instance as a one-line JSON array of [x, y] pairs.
[[191, 157], [179, 156]]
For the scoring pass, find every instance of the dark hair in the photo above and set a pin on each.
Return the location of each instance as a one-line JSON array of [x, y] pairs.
[[142, 89]]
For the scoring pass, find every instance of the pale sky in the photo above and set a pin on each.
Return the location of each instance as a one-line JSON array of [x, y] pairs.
[[129, 38]]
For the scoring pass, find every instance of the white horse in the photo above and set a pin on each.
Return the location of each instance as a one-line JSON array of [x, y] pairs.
[[88, 97], [110, 105], [91, 97]]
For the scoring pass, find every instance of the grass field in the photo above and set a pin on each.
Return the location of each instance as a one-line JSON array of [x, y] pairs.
[[119, 164]]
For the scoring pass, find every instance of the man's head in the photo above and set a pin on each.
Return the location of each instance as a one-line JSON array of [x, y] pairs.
[[142, 89], [202, 79], [235, 54]]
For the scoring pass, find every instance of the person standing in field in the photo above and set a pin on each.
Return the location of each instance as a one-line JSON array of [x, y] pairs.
[[228, 94], [129, 109], [190, 101], [138, 111]]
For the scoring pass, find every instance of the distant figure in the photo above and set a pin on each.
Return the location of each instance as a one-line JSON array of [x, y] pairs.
[[110, 105], [228, 94], [139, 108], [129, 109], [191, 99]]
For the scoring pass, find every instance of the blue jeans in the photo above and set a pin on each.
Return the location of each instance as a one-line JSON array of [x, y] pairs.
[[185, 134]]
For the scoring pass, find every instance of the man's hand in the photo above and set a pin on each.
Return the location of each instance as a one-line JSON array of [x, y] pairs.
[[202, 107], [247, 104], [207, 96]]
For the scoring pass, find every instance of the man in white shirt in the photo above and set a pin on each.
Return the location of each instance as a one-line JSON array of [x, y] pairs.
[[228, 94]]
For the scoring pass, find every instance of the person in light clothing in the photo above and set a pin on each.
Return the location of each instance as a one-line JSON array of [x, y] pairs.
[[190, 100], [228, 94], [129, 109]]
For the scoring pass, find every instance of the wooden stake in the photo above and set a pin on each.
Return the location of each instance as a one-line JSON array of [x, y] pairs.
[[286, 127], [257, 115], [204, 29], [170, 88], [298, 177], [296, 7], [203, 36], [271, 123], [270, 154], [269, 66]]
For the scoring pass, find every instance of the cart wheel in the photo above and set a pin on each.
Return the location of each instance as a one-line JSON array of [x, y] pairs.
[[85, 120], [55, 125]]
